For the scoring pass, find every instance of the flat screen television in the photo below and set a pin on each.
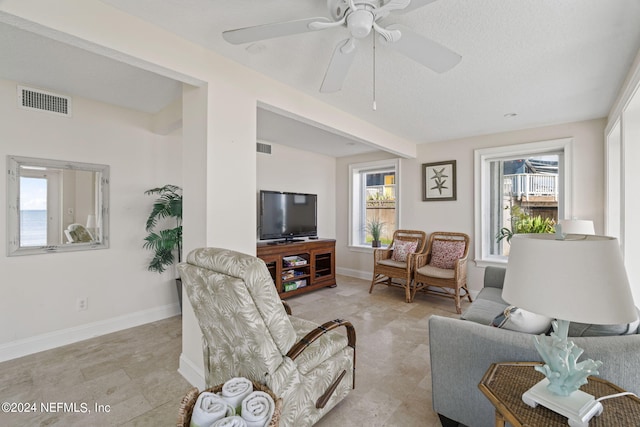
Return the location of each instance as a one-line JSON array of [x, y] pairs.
[[287, 215]]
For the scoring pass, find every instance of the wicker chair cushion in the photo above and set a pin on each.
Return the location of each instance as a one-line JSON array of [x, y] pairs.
[[444, 253], [392, 263], [402, 249], [431, 271]]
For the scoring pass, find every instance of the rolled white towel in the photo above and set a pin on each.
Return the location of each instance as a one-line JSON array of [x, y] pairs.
[[235, 421], [235, 390], [208, 409], [257, 409]]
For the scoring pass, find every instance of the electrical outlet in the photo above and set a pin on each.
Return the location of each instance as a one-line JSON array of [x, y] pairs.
[[82, 303]]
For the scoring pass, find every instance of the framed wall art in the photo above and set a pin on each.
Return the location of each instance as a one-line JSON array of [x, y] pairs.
[[439, 181]]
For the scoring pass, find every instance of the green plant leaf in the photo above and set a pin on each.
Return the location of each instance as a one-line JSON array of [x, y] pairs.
[[164, 243]]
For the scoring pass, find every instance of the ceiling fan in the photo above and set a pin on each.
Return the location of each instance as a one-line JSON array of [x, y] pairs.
[[359, 17]]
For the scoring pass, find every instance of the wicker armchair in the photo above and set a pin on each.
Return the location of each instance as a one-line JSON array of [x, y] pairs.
[[443, 266], [386, 267]]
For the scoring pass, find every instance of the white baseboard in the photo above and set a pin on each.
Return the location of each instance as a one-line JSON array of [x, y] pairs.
[[35, 344], [358, 274], [192, 373]]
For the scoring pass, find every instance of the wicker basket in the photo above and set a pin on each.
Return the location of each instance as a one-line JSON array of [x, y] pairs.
[[189, 401]]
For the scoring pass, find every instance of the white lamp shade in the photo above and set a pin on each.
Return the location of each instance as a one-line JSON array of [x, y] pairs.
[[577, 226], [580, 279]]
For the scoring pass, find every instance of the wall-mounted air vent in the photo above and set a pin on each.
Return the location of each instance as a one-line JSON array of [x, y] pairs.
[[40, 100], [263, 148]]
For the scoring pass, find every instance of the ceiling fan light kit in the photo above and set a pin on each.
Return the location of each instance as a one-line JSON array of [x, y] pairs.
[[359, 17]]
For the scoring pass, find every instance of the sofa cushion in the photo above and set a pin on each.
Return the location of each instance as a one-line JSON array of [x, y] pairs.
[[488, 303], [520, 320], [444, 253], [402, 249], [577, 329]]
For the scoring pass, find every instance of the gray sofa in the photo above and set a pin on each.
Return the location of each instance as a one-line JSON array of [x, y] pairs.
[[462, 351]]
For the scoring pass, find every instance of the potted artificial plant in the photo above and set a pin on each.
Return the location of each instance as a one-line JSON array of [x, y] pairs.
[[165, 243], [374, 227]]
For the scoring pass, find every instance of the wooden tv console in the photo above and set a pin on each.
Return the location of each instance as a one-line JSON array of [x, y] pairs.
[[300, 267]]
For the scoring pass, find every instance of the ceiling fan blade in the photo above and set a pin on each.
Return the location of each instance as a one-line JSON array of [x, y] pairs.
[[341, 61], [394, 5], [269, 31], [423, 50], [416, 4]]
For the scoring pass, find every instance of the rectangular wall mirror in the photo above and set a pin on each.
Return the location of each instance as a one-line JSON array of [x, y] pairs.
[[56, 206]]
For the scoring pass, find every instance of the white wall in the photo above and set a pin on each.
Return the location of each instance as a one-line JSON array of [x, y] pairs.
[[623, 131], [459, 215], [631, 150], [290, 169], [38, 307], [223, 141]]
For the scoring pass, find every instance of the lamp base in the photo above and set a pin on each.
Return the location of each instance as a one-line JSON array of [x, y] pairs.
[[579, 407]]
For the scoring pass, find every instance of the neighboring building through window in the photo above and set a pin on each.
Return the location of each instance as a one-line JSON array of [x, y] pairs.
[[519, 189], [373, 197]]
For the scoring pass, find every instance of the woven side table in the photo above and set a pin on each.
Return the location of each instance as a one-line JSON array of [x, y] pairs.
[[504, 383]]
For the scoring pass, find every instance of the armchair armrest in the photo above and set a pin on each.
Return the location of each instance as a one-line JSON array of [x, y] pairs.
[[380, 254], [422, 259], [460, 267], [312, 336]]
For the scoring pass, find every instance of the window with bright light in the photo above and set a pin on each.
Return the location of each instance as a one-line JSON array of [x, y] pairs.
[[374, 197], [40, 197], [33, 211], [519, 189]]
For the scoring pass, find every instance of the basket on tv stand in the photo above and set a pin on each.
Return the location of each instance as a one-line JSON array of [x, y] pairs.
[[315, 266]]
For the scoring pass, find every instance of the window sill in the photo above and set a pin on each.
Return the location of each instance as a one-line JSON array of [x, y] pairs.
[[363, 248], [492, 262]]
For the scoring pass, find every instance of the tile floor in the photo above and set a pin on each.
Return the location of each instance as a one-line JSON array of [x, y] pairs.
[[133, 373]]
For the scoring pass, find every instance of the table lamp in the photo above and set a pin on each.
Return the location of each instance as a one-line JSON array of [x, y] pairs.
[[577, 226], [568, 277]]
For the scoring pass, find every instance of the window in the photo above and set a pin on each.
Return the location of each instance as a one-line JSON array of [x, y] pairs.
[[39, 195], [519, 188], [374, 196]]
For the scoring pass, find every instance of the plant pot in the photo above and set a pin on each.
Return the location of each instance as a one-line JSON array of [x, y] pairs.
[[375, 243], [179, 289]]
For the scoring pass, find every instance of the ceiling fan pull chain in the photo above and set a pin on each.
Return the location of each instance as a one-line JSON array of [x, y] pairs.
[[374, 71]]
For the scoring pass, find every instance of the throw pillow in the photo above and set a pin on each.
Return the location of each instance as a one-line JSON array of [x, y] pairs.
[[444, 253], [402, 249], [517, 319]]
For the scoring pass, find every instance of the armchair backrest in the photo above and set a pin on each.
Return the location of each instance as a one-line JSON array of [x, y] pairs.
[[410, 236], [494, 277], [246, 331]]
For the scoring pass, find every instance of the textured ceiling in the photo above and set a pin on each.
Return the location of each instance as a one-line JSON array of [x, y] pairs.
[[549, 61]]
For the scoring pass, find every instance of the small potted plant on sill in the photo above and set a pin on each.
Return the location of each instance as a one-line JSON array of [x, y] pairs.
[[374, 227], [165, 243]]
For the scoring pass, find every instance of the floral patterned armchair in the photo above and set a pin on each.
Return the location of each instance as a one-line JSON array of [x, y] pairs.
[[248, 332]]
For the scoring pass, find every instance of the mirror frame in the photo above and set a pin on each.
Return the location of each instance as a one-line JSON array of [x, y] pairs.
[[13, 205]]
